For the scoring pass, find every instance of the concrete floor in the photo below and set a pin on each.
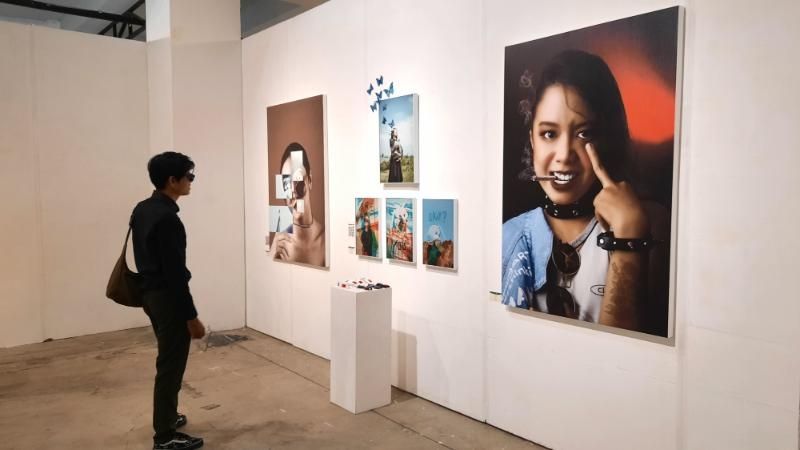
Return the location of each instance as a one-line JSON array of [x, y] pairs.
[[95, 392]]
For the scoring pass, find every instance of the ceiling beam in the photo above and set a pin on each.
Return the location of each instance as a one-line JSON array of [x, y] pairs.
[[131, 18], [128, 11]]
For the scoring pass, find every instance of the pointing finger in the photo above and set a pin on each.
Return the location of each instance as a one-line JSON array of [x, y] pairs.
[[599, 170], [602, 221]]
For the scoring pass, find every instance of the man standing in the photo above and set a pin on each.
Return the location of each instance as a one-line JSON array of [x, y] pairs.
[[159, 245]]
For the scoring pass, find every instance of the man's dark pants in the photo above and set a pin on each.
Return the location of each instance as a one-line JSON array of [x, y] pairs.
[[173, 351]]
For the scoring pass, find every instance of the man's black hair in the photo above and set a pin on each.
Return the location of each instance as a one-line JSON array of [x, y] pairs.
[[168, 164]]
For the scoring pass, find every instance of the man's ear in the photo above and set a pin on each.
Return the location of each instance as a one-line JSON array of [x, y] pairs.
[[173, 181]]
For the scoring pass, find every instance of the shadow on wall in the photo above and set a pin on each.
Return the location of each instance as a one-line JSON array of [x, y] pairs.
[[419, 355], [404, 346]]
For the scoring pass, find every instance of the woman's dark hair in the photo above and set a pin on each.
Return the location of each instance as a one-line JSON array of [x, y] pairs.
[[589, 75], [168, 164], [295, 147]]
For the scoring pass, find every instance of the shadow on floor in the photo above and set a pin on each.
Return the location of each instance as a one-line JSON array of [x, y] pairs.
[[244, 390]]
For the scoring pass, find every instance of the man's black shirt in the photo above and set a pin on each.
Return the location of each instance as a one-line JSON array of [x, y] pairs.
[[159, 248]]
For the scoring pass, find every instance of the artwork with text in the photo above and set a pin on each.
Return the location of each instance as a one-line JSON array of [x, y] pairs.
[[439, 228]]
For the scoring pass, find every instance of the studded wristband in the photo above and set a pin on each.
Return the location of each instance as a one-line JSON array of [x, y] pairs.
[[607, 241]]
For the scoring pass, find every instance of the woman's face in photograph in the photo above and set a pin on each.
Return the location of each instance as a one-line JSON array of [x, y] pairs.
[[561, 128]]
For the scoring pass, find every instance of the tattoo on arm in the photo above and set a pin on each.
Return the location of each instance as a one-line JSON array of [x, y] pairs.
[[624, 293]]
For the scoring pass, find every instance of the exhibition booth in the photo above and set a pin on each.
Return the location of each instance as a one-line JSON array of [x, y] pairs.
[[401, 142]]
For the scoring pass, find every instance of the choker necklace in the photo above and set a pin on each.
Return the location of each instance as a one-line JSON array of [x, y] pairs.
[[582, 208]]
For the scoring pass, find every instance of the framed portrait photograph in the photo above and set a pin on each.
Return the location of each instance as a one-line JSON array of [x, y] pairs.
[[400, 215], [368, 227], [590, 134], [297, 179], [398, 125]]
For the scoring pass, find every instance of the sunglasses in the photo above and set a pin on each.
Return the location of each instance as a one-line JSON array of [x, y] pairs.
[[561, 303], [566, 258], [565, 261], [190, 177]]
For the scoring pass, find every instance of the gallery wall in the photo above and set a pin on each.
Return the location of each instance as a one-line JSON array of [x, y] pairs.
[[620, 392], [83, 117], [740, 333], [436, 314], [728, 379], [73, 121]]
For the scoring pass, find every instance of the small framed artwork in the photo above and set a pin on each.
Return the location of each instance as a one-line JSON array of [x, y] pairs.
[[368, 227], [400, 214], [439, 225], [398, 122]]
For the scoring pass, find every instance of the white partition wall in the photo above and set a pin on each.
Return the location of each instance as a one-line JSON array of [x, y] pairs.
[[77, 132], [74, 142], [437, 315], [438, 320], [740, 329], [731, 378], [20, 230], [563, 386], [194, 73], [284, 63]]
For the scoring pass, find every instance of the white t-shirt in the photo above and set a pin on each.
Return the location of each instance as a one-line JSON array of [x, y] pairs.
[[588, 285]]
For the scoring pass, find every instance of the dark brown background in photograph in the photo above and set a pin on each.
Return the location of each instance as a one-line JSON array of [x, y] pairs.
[[301, 121]]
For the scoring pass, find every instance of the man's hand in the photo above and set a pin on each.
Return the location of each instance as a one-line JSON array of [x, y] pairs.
[[196, 328]]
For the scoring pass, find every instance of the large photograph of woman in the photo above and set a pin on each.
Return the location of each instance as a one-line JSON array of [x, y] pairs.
[[588, 160]]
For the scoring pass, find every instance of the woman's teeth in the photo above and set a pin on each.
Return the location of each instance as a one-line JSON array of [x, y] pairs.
[[563, 177]]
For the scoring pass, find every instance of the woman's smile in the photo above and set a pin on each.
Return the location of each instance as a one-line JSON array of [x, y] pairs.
[[562, 127], [563, 177]]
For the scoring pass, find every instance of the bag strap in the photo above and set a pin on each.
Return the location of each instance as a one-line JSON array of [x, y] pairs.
[[125, 245]]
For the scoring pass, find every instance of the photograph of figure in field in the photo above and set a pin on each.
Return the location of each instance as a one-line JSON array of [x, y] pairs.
[[296, 179], [589, 159], [400, 229], [398, 122], [368, 227], [439, 228]]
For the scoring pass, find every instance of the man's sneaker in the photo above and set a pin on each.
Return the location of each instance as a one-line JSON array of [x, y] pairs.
[[181, 421], [180, 442]]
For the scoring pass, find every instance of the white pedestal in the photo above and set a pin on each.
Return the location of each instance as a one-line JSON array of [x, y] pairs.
[[361, 326]]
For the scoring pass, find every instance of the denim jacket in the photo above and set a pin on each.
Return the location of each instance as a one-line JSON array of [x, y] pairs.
[[527, 244]]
